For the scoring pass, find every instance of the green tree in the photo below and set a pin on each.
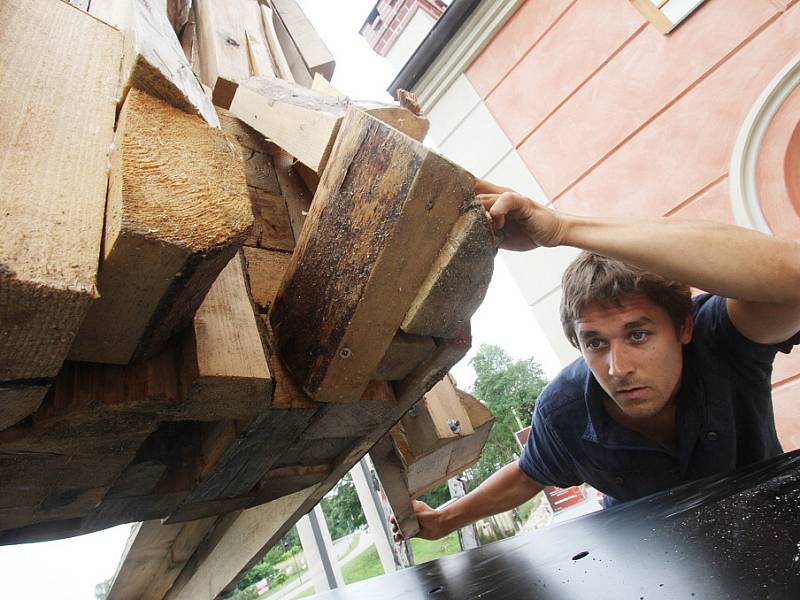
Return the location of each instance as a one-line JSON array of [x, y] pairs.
[[266, 568], [437, 496], [342, 509], [509, 388]]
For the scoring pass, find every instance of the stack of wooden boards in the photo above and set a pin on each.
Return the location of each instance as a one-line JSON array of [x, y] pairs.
[[440, 437], [183, 332]]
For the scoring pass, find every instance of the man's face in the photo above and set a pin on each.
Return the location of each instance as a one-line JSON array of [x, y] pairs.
[[634, 352]]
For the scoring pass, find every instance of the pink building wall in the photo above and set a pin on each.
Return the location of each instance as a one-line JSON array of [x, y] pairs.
[[613, 118]]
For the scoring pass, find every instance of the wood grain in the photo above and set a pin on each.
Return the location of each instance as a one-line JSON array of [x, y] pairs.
[[175, 216], [58, 102], [351, 276], [154, 60]]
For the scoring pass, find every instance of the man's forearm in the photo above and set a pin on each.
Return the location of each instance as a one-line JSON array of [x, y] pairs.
[[710, 256], [506, 489]]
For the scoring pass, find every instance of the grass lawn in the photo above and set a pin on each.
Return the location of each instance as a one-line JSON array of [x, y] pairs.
[[365, 565], [309, 592], [278, 588], [425, 550]]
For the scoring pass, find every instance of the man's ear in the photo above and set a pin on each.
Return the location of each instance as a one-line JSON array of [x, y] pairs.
[[687, 329]]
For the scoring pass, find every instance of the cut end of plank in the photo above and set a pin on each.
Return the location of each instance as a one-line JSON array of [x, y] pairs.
[[183, 181]]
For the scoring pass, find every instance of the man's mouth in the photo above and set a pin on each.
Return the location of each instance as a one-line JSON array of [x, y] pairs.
[[631, 391]]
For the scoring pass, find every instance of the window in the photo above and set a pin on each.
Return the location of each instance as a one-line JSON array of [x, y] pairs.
[[666, 15]]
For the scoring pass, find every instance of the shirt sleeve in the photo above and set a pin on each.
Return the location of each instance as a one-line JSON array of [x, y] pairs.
[[544, 458], [715, 330]]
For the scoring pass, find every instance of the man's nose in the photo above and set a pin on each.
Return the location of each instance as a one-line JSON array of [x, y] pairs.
[[620, 363]]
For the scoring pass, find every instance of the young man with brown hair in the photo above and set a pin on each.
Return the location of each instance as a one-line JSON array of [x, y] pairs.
[[668, 388]]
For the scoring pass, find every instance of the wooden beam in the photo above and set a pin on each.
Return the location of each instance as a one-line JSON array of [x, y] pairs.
[[265, 269], [298, 71], [414, 457], [324, 86], [297, 196], [333, 329], [58, 106], [223, 360], [448, 414], [315, 54], [404, 353], [153, 557], [18, 400], [219, 564], [154, 61], [176, 214], [222, 41], [244, 538], [302, 121], [458, 280], [282, 68]]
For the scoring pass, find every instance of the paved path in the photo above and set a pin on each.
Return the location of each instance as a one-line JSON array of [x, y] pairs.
[[294, 588]]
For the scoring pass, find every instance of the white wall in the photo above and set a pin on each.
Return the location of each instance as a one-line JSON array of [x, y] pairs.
[[463, 130]]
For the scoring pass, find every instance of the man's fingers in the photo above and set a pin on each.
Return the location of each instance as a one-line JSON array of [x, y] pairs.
[[485, 187]]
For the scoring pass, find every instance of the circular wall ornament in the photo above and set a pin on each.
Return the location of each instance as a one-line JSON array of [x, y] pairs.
[[743, 186]]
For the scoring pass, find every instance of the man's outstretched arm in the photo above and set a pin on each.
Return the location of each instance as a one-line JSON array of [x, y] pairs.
[[759, 274], [506, 489]]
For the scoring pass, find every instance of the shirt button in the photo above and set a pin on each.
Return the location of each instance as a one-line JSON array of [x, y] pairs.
[[619, 480], [712, 436]]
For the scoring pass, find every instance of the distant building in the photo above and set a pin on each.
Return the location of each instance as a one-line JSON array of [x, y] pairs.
[[395, 28], [688, 109]]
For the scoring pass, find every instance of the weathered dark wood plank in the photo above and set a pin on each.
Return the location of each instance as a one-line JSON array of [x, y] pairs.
[[352, 279]]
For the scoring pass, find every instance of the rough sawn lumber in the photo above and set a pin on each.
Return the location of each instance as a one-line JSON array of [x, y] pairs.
[[58, 102], [414, 456], [302, 121], [352, 278], [154, 60], [315, 54], [177, 212]]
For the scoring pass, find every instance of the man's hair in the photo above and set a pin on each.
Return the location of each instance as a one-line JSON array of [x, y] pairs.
[[595, 279]]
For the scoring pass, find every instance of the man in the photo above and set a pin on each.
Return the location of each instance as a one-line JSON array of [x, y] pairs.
[[667, 389]]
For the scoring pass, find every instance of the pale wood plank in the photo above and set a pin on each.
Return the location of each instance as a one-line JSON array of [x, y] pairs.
[[654, 15], [58, 101], [444, 405], [301, 121], [265, 269], [294, 60], [222, 40], [242, 540], [282, 68], [316, 56], [414, 458], [223, 360], [154, 60]]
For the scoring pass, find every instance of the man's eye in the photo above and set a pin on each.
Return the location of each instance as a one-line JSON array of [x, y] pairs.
[[594, 344], [639, 336]]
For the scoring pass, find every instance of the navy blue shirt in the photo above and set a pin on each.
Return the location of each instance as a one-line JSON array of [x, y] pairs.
[[723, 416]]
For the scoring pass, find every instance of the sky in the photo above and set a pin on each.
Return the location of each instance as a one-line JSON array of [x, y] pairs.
[[69, 569]]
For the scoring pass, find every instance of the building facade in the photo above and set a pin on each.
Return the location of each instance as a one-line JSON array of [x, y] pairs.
[[586, 105], [395, 28]]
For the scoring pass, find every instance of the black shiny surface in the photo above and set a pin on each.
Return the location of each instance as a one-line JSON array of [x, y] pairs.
[[719, 538]]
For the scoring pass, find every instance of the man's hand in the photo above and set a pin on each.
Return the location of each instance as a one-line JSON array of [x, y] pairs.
[[430, 523], [519, 222]]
